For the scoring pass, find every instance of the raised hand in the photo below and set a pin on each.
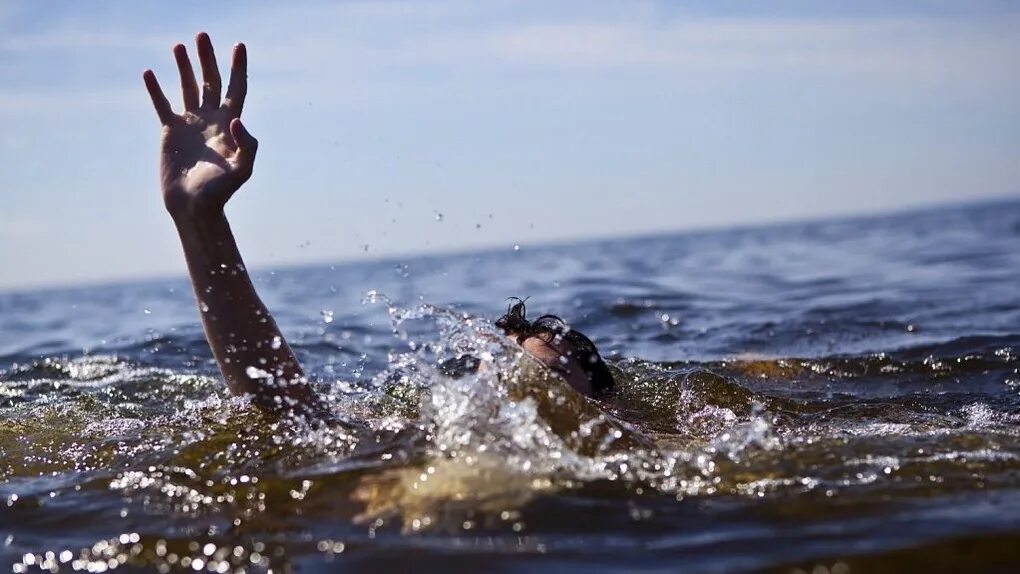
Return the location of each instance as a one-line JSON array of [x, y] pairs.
[[205, 152], [205, 156]]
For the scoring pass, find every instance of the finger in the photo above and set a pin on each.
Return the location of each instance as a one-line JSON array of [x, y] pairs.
[[238, 88], [247, 145], [189, 87], [211, 84], [159, 101]]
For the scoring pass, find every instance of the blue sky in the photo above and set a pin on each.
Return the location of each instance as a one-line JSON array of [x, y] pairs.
[[519, 122]]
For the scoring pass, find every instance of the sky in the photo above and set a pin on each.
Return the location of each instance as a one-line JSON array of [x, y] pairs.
[[400, 127]]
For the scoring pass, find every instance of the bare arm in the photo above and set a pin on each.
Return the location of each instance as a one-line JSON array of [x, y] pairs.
[[206, 154]]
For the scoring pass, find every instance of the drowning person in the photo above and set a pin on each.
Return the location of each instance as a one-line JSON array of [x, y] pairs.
[[206, 155]]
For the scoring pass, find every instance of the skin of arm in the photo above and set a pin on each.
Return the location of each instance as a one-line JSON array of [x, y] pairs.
[[206, 154]]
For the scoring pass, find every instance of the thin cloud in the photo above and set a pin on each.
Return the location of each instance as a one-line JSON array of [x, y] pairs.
[[17, 103], [899, 52], [62, 39], [14, 227], [361, 45]]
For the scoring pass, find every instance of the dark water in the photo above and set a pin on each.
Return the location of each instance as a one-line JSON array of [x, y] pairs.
[[826, 397]]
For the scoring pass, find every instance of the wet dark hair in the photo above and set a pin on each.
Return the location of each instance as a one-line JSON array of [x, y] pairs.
[[515, 323]]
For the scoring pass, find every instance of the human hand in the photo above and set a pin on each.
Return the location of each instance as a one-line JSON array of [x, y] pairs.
[[206, 153]]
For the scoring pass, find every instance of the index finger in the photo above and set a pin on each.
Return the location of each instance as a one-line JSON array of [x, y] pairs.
[[159, 101], [238, 88]]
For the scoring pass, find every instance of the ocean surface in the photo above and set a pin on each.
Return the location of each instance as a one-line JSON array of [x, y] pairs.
[[823, 397]]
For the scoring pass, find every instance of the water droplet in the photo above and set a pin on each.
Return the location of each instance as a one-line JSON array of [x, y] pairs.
[[327, 315], [517, 247], [276, 343], [147, 312], [439, 216]]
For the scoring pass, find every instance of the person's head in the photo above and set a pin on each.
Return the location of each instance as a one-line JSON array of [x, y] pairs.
[[564, 350]]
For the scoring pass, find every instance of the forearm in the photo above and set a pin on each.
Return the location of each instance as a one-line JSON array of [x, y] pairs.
[[251, 352], [206, 154]]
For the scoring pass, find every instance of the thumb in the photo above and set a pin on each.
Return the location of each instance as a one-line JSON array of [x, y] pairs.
[[247, 145]]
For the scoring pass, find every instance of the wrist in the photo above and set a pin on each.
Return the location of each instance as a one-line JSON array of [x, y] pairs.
[[186, 208], [196, 217], [206, 237]]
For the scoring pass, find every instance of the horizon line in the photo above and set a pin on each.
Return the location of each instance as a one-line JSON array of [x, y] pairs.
[[488, 249]]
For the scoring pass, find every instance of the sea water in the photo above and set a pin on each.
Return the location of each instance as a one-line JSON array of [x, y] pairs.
[[835, 396]]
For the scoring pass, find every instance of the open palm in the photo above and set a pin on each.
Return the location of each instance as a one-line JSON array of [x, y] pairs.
[[205, 152]]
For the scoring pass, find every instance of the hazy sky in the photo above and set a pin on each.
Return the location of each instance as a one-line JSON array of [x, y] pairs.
[[519, 122]]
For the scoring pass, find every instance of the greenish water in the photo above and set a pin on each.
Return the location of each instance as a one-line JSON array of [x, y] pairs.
[[839, 396]]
